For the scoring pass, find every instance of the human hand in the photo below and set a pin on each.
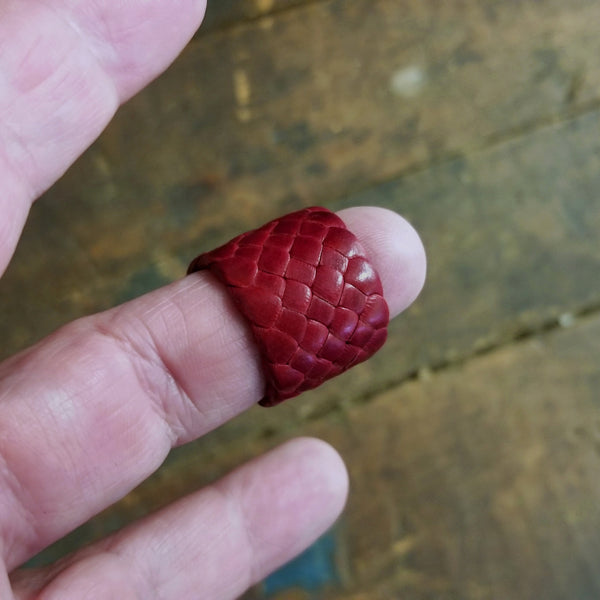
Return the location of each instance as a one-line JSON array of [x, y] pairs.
[[91, 411]]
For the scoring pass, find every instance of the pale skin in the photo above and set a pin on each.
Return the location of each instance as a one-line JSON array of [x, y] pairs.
[[92, 410]]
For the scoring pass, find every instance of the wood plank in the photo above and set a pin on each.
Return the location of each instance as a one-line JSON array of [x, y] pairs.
[[511, 230], [512, 237], [291, 111], [481, 482], [478, 482]]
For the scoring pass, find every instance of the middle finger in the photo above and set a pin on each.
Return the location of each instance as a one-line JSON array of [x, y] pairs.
[[90, 412]]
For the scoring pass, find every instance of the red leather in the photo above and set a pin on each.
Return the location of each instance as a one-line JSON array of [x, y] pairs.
[[314, 301]]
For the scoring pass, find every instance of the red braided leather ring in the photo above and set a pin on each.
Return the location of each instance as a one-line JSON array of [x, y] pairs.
[[313, 300]]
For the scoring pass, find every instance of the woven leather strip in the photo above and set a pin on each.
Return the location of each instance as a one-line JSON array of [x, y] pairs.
[[313, 300]]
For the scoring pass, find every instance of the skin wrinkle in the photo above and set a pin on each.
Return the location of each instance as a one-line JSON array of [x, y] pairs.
[[242, 344], [276, 495], [81, 477], [228, 329], [94, 43], [146, 365], [236, 507], [253, 542], [100, 27], [12, 170], [29, 503], [153, 576], [26, 505], [61, 71], [190, 411], [109, 570], [12, 484], [145, 576], [254, 570], [142, 345], [97, 75], [90, 39]]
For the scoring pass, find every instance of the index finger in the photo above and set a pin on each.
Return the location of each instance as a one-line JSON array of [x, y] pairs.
[[65, 67]]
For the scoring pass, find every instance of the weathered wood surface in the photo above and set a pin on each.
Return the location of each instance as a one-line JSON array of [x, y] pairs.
[[481, 482], [478, 482], [478, 120], [512, 244]]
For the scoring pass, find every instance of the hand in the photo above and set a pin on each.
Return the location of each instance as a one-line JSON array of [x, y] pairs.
[[91, 411]]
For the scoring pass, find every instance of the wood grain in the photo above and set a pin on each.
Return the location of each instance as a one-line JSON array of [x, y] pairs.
[[472, 438], [480, 482]]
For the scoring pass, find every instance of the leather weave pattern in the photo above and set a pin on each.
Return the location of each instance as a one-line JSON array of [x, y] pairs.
[[314, 301]]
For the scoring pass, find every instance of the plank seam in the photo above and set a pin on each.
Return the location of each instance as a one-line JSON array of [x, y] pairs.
[[489, 143], [521, 336]]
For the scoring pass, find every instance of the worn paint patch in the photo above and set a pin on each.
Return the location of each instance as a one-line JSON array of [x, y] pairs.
[[408, 82], [311, 571], [241, 86]]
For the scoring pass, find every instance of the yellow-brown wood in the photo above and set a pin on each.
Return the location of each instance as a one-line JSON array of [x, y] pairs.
[[472, 437], [301, 109]]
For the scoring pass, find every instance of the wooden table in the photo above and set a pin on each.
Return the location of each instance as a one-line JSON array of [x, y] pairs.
[[473, 439]]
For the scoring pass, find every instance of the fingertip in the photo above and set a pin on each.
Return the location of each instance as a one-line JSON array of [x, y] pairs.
[[323, 464], [301, 491], [304, 477], [396, 250]]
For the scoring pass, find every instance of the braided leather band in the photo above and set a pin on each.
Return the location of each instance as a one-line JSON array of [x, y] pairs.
[[313, 300]]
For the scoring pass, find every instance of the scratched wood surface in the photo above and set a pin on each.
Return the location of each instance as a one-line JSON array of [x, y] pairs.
[[480, 121], [480, 481]]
